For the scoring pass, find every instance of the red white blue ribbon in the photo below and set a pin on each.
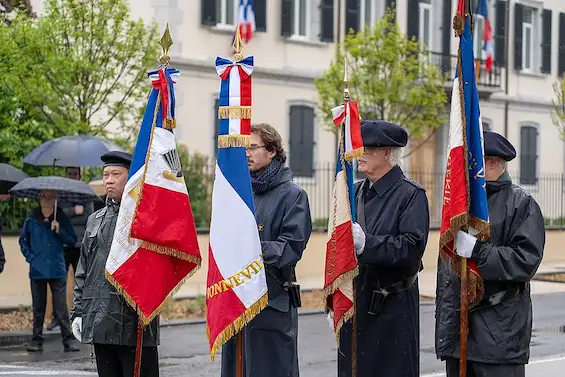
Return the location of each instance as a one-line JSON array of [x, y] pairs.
[[164, 80]]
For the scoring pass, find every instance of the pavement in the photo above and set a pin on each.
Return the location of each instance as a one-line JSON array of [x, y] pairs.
[[184, 348]]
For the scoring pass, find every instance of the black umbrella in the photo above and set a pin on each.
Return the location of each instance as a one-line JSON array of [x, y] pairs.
[[68, 190], [9, 176], [78, 150]]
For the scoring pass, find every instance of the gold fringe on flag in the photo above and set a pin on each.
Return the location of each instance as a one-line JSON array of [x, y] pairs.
[[171, 252], [458, 25], [237, 140], [146, 320], [236, 326], [354, 154], [234, 112]]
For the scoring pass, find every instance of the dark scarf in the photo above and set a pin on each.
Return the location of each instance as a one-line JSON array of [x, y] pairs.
[[261, 180]]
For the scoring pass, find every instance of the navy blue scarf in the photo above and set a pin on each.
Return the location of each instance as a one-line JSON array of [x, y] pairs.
[[261, 180]]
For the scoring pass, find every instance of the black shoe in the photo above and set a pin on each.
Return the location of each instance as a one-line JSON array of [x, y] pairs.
[[52, 326], [32, 347], [71, 348]]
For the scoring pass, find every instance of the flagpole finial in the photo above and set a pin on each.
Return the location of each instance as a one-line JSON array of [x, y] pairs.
[[237, 44], [166, 42], [346, 95]]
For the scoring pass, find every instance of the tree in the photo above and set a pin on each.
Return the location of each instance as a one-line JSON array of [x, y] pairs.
[[79, 68], [7, 6], [558, 113], [389, 78]]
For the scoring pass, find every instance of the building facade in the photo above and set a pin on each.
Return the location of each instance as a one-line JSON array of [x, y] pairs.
[[296, 40]]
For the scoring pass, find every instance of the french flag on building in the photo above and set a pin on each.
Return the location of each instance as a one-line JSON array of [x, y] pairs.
[[465, 205], [246, 19], [482, 11], [155, 246]]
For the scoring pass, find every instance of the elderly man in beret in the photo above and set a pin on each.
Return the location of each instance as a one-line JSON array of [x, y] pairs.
[[500, 326], [100, 315], [390, 238]]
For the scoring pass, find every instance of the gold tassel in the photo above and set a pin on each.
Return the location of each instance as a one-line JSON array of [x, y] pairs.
[[458, 25], [169, 124], [234, 327], [228, 141], [354, 154], [344, 318], [234, 112]]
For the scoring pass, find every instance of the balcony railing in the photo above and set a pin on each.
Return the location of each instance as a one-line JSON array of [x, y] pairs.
[[448, 64]]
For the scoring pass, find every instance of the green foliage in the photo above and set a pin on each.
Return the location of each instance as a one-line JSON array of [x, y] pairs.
[[198, 183], [388, 77], [77, 69], [558, 113]]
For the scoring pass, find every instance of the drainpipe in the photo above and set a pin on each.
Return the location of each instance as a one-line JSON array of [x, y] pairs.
[[507, 64], [338, 41]]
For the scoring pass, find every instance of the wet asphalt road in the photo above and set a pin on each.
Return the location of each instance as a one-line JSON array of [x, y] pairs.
[[183, 349]]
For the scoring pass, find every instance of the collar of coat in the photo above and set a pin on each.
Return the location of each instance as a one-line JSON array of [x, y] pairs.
[[384, 184]]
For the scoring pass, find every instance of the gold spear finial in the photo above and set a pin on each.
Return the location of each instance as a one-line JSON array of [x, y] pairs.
[[237, 44], [346, 95], [166, 43]]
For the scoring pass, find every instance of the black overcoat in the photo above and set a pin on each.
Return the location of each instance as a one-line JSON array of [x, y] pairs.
[[397, 226], [499, 334]]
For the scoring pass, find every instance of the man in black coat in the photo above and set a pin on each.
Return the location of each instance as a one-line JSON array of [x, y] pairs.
[[100, 315], [390, 238], [500, 326], [283, 218]]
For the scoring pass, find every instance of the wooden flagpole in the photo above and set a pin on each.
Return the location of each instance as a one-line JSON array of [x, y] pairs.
[[464, 315], [239, 346], [346, 99]]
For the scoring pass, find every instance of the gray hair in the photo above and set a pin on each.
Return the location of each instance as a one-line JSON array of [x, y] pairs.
[[395, 157]]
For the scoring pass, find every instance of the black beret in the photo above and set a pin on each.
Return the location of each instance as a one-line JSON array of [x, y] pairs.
[[378, 133], [117, 158], [497, 145]]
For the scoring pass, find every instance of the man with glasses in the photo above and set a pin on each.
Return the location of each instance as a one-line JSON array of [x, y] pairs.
[[41, 241], [390, 237], [283, 219]]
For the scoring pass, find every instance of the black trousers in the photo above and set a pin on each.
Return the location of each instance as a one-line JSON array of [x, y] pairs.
[[39, 302], [72, 255], [119, 361], [475, 369]]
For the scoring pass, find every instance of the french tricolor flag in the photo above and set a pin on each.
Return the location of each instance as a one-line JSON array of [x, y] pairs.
[[155, 246], [246, 19], [482, 11]]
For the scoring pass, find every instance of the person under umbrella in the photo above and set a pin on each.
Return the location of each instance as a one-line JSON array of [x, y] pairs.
[[78, 214], [9, 176], [45, 231], [2, 255]]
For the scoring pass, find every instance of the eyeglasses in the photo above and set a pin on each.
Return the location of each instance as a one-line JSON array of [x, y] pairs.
[[254, 147]]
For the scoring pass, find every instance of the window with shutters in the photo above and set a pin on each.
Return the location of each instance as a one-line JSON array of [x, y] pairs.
[[300, 14], [425, 24], [528, 154], [227, 12], [301, 140], [370, 11], [528, 39]]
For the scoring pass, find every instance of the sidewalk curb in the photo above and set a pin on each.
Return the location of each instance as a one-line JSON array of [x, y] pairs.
[[16, 338]]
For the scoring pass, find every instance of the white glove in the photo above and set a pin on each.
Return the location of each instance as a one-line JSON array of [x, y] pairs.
[[464, 244], [358, 238], [331, 319], [77, 328]]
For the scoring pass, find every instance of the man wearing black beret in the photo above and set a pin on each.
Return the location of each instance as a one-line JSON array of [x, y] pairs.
[[390, 238], [500, 326], [100, 315]]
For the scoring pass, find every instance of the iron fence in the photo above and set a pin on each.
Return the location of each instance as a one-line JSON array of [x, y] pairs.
[[549, 192]]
